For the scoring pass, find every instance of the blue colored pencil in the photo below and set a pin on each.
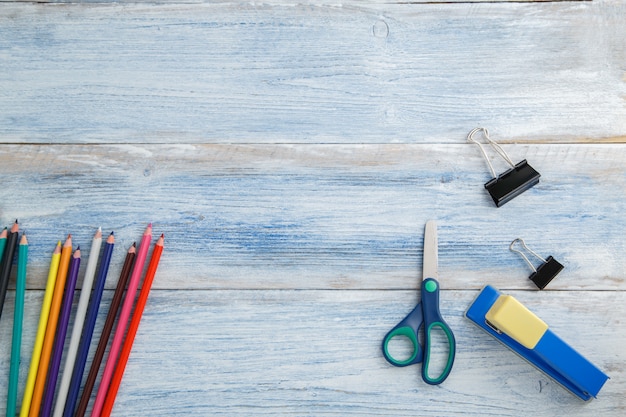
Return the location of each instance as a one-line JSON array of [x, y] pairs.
[[90, 322]]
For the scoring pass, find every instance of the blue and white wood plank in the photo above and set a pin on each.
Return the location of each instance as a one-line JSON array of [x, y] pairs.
[[324, 216], [239, 72], [293, 353]]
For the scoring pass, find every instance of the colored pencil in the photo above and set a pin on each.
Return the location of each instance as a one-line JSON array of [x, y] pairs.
[[59, 344], [132, 328], [106, 332], [3, 242], [90, 322], [51, 327], [41, 330], [7, 263], [123, 321], [18, 317], [79, 320]]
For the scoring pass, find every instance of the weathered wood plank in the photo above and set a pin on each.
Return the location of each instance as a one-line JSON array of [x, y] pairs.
[[376, 73], [202, 353], [323, 216], [350, 3]]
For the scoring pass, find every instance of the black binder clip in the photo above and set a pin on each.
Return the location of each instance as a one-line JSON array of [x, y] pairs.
[[508, 185], [545, 272]]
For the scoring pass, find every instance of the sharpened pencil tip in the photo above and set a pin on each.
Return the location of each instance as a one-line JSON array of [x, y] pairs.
[[111, 239], [23, 240], [15, 227]]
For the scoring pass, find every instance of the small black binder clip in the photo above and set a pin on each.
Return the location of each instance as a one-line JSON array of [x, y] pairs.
[[543, 274], [508, 185]]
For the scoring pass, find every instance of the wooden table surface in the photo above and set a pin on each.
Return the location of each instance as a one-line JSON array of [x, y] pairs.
[[291, 153]]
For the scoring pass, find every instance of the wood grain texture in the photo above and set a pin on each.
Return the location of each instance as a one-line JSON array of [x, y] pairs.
[[318, 352], [292, 73], [324, 216], [291, 153], [350, 3]]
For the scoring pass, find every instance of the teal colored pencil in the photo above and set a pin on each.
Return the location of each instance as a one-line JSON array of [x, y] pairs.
[[3, 242], [18, 317]]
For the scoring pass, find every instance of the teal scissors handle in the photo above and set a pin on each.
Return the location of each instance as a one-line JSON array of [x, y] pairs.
[[408, 327], [426, 314], [432, 322]]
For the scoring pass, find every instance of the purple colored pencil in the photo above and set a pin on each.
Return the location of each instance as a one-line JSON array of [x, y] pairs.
[[59, 343]]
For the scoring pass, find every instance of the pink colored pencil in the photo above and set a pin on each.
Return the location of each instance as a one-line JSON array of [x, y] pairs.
[[132, 328], [142, 254]]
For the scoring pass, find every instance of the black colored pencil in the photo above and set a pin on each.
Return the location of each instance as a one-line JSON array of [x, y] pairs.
[[7, 263]]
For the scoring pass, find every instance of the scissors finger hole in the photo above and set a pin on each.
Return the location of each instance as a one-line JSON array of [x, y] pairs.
[[438, 361], [401, 348]]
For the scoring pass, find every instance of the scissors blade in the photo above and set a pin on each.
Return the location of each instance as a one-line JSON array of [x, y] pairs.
[[430, 262]]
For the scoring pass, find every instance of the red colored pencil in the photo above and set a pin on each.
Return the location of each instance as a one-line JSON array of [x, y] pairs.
[[122, 321], [106, 331], [132, 328]]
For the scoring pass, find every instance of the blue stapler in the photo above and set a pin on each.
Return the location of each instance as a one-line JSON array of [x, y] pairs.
[[511, 323]]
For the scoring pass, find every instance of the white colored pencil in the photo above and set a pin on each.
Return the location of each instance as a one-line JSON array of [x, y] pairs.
[[79, 320]]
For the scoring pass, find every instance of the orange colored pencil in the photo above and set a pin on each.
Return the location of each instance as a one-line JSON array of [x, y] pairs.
[[51, 328], [132, 328]]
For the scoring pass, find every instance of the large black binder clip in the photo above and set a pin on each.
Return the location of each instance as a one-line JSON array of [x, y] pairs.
[[508, 185], [545, 272]]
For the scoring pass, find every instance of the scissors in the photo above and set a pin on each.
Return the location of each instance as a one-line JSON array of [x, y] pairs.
[[426, 314]]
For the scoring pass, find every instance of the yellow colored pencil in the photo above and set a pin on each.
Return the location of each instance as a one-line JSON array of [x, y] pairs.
[[51, 327], [41, 330]]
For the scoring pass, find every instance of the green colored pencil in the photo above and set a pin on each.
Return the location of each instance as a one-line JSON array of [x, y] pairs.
[[18, 317], [3, 242]]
